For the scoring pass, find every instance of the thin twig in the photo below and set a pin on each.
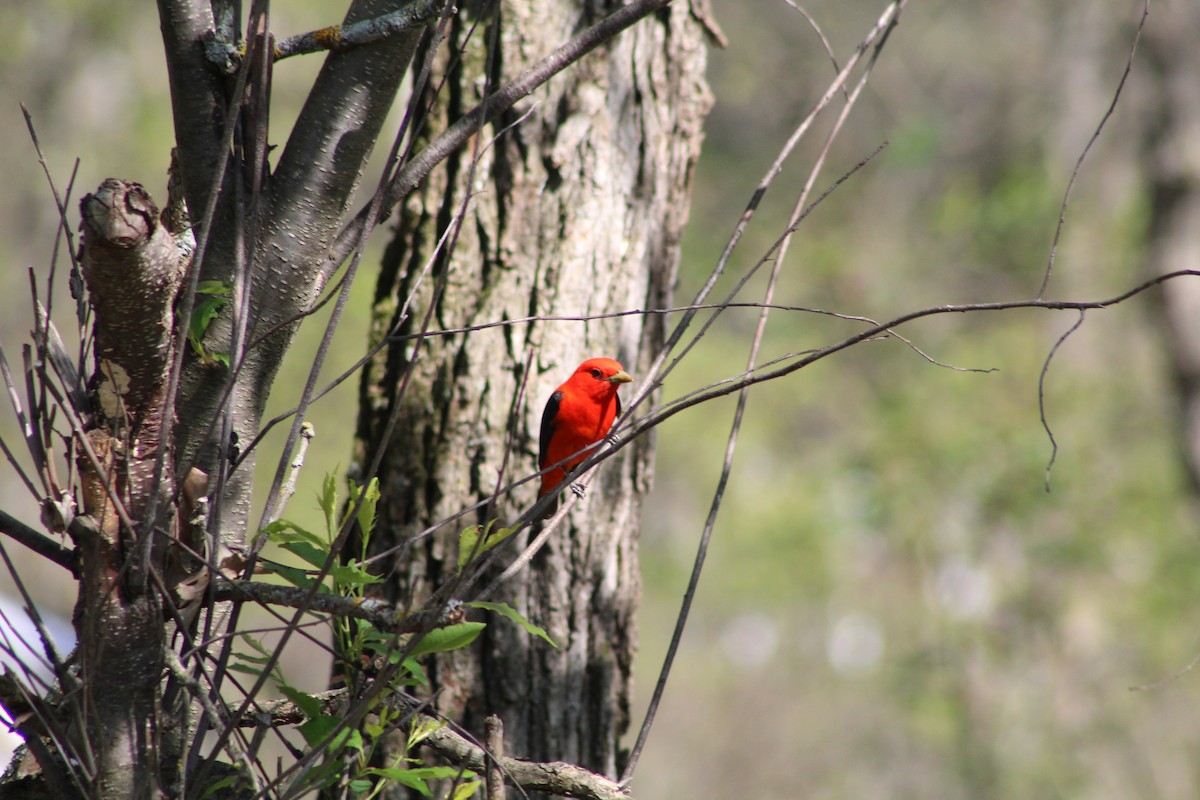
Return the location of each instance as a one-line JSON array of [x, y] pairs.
[[1042, 393], [657, 373], [64, 226], [1062, 211], [798, 213], [356, 34], [495, 752], [307, 432]]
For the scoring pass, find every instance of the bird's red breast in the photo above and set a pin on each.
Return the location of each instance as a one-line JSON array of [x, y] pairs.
[[578, 415]]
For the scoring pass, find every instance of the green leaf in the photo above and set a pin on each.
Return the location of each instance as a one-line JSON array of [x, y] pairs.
[[245, 669], [257, 646], [469, 545], [416, 673], [465, 789], [252, 659], [402, 777], [327, 499], [365, 502], [451, 637], [214, 288], [310, 553], [361, 786], [283, 531], [212, 789], [309, 705], [294, 576], [353, 576], [250, 664], [417, 777], [505, 610], [422, 728], [204, 312], [319, 728]]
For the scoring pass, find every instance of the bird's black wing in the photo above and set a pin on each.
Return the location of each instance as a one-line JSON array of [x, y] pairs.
[[549, 423]]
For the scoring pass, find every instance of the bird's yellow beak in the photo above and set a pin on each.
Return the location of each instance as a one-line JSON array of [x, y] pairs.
[[620, 377]]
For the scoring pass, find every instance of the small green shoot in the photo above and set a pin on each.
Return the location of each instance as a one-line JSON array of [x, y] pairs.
[[478, 539], [212, 296]]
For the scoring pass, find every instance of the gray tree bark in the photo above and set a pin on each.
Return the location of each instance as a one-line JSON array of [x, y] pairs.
[[577, 200]]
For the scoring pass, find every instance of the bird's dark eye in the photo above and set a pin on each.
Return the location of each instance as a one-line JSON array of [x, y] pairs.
[[597, 374]]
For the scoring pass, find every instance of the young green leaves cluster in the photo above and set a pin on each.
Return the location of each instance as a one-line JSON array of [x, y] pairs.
[[348, 753]]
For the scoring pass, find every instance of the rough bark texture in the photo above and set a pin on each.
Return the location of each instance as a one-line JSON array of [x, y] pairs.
[[1172, 144], [576, 210], [133, 267]]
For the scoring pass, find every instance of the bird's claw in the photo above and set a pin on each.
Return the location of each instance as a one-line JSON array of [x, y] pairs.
[[577, 490]]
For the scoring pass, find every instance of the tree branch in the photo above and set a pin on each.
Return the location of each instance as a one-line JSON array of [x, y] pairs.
[[36, 541], [321, 164], [355, 34], [197, 97], [384, 616], [552, 777]]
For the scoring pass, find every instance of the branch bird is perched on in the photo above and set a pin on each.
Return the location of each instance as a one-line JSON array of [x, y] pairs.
[[578, 416]]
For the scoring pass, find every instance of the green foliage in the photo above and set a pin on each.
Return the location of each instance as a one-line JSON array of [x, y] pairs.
[[476, 540], [451, 637], [211, 297], [253, 664], [509, 612], [347, 753]]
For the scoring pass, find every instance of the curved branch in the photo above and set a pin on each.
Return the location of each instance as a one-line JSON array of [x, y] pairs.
[[749, 379]]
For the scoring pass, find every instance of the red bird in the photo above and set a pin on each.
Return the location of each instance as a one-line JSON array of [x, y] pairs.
[[579, 413]]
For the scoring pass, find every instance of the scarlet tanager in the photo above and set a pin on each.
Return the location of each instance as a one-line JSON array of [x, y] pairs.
[[579, 413]]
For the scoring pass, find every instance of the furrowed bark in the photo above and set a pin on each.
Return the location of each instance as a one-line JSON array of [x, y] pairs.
[[576, 210]]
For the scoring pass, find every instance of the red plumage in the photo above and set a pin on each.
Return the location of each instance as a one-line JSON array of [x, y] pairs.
[[579, 413]]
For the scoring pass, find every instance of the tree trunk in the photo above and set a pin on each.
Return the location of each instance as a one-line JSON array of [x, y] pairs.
[[578, 198], [1171, 131]]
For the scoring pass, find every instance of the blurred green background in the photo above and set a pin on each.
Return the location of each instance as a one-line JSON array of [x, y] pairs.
[[894, 605]]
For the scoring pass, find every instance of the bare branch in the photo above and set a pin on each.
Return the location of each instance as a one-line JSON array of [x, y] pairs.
[[1042, 392], [383, 615], [322, 160], [36, 541], [356, 34], [735, 384], [654, 376]]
